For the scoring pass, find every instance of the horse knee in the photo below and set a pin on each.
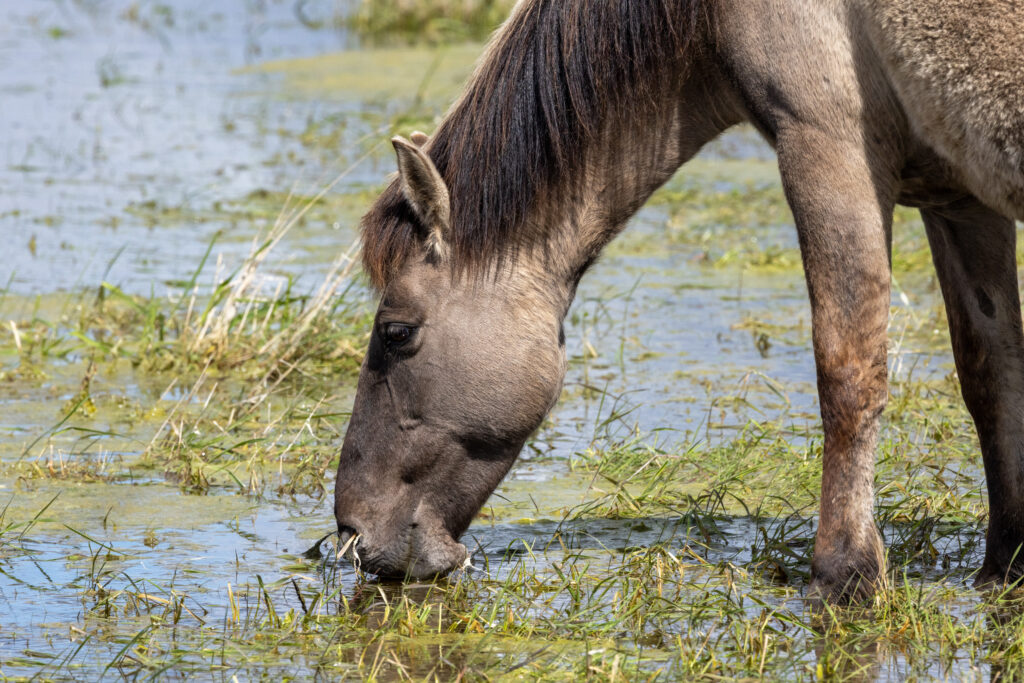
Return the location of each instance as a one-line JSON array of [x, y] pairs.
[[853, 392]]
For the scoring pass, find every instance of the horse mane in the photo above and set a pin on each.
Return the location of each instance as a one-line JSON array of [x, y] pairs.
[[550, 79]]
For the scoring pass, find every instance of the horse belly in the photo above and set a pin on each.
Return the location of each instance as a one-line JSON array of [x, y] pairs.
[[958, 70]]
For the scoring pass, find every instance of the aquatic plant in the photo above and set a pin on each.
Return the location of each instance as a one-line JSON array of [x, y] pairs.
[[429, 20]]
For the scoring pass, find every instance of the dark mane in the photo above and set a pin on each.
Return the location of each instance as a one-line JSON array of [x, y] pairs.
[[552, 76]]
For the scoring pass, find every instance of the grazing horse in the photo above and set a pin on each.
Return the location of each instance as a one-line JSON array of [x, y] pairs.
[[577, 112]]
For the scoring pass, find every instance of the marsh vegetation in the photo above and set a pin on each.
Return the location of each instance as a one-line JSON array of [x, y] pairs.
[[182, 325]]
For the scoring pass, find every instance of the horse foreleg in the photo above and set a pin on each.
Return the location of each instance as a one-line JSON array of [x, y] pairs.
[[843, 214], [974, 252]]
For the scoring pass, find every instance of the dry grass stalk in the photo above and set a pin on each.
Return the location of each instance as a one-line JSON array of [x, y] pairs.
[[232, 330]]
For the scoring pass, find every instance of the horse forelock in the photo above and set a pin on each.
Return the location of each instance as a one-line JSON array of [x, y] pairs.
[[515, 145]]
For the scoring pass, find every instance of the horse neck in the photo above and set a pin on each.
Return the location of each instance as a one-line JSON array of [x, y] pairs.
[[629, 160]]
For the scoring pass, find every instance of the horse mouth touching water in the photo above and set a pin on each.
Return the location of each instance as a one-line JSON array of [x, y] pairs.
[[578, 111]]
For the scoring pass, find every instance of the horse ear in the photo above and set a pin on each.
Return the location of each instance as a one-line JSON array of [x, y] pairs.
[[418, 138], [424, 188]]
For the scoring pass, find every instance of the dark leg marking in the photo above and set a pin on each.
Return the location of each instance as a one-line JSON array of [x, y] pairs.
[[974, 252]]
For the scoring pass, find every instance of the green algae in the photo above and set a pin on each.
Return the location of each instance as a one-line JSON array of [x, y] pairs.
[[411, 75], [129, 508], [427, 20]]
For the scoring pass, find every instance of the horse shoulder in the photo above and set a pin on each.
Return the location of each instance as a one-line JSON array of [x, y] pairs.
[[958, 70]]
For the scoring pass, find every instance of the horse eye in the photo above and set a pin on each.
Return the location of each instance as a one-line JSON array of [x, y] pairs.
[[397, 333]]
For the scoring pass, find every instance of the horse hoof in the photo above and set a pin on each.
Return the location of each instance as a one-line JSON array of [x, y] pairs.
[[989, 580], [855, 590], [843, 583]]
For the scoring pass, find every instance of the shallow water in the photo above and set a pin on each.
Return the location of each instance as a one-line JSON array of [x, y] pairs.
[[139, 133]]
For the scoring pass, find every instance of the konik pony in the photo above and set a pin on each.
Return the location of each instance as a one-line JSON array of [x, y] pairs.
[[577, 112]]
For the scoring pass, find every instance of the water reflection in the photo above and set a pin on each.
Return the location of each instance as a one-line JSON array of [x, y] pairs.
[[852, 658]]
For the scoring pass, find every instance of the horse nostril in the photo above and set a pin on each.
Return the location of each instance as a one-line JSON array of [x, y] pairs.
[[346, 532]]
